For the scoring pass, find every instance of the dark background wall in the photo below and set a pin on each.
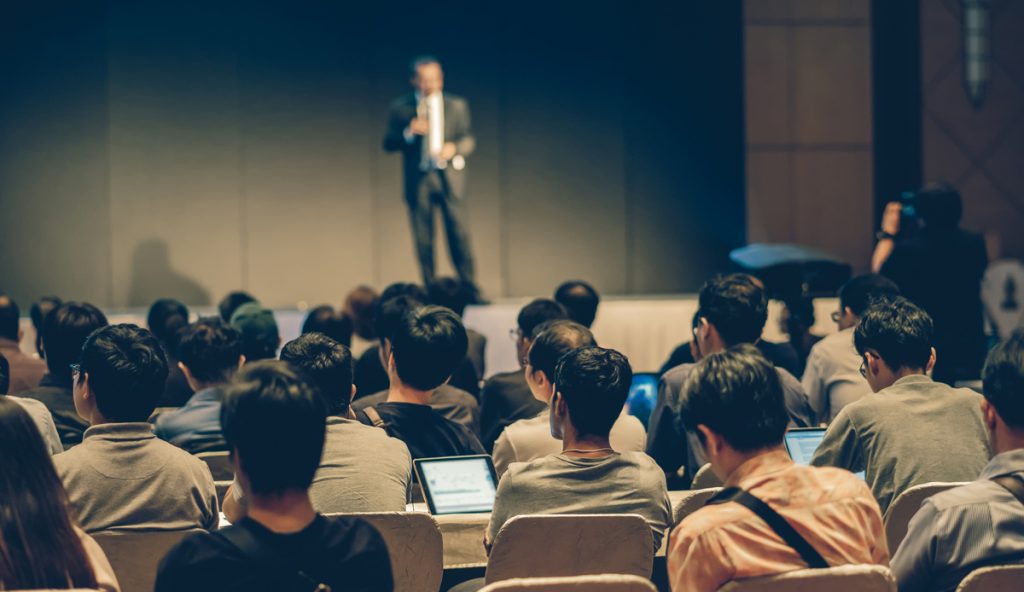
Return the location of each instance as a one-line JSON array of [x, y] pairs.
[[187, 149]]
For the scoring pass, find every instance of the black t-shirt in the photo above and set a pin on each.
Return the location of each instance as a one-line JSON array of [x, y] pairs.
[[427, 433], [347, 554], [506, 398]]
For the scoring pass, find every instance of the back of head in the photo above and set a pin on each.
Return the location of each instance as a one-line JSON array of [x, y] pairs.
[[594, 383], [391, 311], [270, 397], [64, 332], [738, 395], [166, 318], [230, 303], [428, 345], [359, 308], [324, 319], [5, 375], [580, 299], [414, 291], [939, 206], [1004, 380], [860, 292], [898, 331], [258, 327], [736, 305], [327, 365], [210, 349], [41, 308], [451, 293], [127, 369], [10, 316], [555, 339], [537, 313]]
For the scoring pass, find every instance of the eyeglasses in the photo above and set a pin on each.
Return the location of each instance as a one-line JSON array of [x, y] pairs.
[[76, 371], [515, 334], [864, 368], [835, 316]]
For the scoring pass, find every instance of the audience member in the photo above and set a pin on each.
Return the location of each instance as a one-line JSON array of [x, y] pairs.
[[40, 546], [832, 378], [981, 523], [166, 319], [26, 371], [424, 348], [371, 373], [528, 439], [506, 397], [65, 329], [733, 311], [456, 295], [829, 511], [324, 319], [230, 303], [580, 300], [209, 353], [685, 353], [260, 337], [362, 469], [912, 430], [358, 308], [283, 543], [41, 308], [36, 410], [122, 477], [796, 322]]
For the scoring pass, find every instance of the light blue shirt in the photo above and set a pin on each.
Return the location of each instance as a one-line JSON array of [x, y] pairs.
[[196, 426]]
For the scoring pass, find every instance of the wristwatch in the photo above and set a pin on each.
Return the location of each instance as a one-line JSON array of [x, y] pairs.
[[883, 235]]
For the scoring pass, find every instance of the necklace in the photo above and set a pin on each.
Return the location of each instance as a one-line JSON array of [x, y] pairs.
[[580, 451]]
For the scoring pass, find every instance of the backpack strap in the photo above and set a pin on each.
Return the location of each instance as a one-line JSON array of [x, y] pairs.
[[245, 541], [374, 417], [1014, 484]]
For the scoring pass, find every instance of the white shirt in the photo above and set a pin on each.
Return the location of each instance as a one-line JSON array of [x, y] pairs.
[[432, 108], [832, 378]]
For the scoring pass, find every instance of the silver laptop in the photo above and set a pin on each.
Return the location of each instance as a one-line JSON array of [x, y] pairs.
[[458, 484], [801, 443]]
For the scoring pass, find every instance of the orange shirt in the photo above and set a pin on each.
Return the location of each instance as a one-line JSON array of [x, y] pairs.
[[831, 508]]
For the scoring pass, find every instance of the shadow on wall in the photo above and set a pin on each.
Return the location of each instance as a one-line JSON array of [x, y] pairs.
[[153, 278]]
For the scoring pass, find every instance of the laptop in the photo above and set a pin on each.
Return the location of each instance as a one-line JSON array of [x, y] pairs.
[[801, 443], [643, 395], [458, 484]]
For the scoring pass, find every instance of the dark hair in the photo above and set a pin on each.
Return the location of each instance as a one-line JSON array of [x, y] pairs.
[[451, 293], [860, 292], [580, 299], [39, 547], [939, 205], [327, 365], [10, 317], [210, 349], [127, 370], [64, 332], [359, 308], [390, 313], [5, 375], [538, 312], [555, 339], [736, 306], [428, 345], [167, 317], [324, 319], [421, 60], [738, 395], [230, 303], [269, 397], [594, 382], [1003, 380], [38, 312], [899, 331], [414, 291]]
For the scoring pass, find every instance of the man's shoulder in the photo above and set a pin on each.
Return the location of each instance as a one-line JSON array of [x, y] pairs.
[[354, 431], [37, 409], [975, 493], [504, 378], [676, 376], [403, 101], [447, 393]]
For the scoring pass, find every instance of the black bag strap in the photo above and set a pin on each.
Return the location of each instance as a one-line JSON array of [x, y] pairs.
[[1014, 484], [374, 417], [246, 542], [777, 523]]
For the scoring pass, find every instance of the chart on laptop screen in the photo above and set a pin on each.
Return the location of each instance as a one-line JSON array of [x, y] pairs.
[[801, 445], [459, 486]]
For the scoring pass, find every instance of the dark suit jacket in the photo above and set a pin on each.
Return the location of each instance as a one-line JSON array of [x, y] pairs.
[[504, 399]]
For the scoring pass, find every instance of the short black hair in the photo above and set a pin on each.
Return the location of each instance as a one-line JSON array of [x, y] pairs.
[[580, 299], [422, 60], [555, 339], [230, 303], [324, 319], [40, 308], [898, 331], [270, 397], [428, 345], [327, 364], [451, 293], [736, 305], [210, 348], [860, 292], [391, 311], [594, 382], [127, 370], [939, 205], [167, 317], [1003, 380], [538, 312], [10, 317], [736, 393], [5, 375], [65, 330]]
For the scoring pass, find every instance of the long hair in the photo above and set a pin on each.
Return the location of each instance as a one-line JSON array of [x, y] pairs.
[[39, 547]]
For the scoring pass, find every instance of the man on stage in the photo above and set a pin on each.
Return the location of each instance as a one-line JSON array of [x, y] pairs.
[[432, 130]]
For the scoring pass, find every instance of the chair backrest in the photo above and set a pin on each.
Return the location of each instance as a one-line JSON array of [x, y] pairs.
[[845, 578], [999, 578], [570, 545], [903, 508], [705, 478], [219, 463], [222, 490], [690, 502], [136, 555], [600, 583], [414, 545]]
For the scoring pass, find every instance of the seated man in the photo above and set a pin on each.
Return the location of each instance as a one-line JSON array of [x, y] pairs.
[[283, 543], [37, 411], [911, 430], [25, 371], [832, 378], [733, 311], [528, 439], [455, 294], [981, 523], [589, 476], [122, 477], [362, 469], [424, 348], [260, 336], [209, 353], [734, 402], [580, 300]]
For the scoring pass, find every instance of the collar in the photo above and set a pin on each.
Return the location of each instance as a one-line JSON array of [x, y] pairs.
[[913, 379], [1011, 461], [50, 379], [121, 432], [761, 465], [213, 393]]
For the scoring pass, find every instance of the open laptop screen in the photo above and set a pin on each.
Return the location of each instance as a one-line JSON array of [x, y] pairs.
[[458, 484], [801, 444]]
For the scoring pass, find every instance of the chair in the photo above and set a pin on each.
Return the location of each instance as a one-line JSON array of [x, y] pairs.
[[415, 546], [845, 578], [600, 583], [136, 555], [571, 545], [1000, 578], [704, 478], [219, 463], [690, 503], [903, 508]]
